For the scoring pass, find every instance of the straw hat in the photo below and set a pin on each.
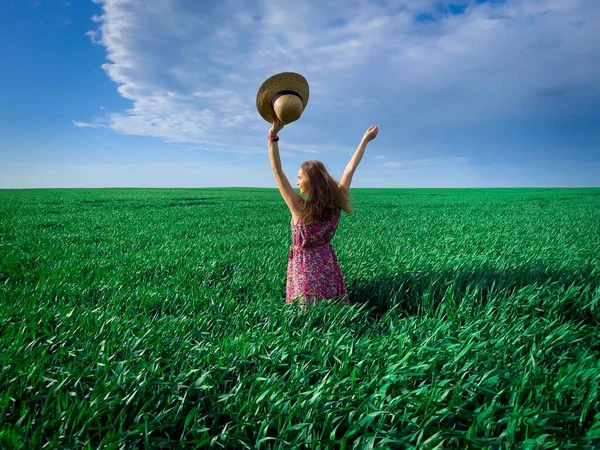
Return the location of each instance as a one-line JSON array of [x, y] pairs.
[[284, 96]]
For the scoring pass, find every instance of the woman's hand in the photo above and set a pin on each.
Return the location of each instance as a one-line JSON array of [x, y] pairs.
[[371, 133], [276, 128]]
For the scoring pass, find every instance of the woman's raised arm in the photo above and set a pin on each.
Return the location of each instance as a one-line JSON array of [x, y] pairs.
[[290, 196], [369, 135]]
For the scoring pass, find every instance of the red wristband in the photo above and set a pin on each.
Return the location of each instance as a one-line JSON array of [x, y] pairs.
[[273, 137]]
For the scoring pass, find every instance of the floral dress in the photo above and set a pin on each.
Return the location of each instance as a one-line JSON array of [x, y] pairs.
[[313, 271]]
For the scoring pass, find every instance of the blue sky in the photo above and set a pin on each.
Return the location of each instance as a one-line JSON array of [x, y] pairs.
[[160, 93]]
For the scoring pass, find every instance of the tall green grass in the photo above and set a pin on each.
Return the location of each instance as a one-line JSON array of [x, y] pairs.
[[157, 319]]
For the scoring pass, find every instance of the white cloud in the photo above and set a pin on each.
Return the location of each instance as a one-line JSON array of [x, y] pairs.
[[191, 70], [439, 160], [320, 149], [84, 124], [434, 163], [496, 61], [436, 172], [380, 157]]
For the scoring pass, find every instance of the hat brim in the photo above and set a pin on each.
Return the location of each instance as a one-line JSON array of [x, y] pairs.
[[285, 81]]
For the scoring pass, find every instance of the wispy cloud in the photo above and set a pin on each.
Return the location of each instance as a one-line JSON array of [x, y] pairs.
[[191, 70], [440, 160], [63, 21], [85, 124], [435, 162]]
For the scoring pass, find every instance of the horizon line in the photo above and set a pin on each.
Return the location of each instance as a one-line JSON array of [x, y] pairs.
[[275, 188]]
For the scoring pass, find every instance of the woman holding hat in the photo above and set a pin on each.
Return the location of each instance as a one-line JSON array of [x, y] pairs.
[[313, 271]]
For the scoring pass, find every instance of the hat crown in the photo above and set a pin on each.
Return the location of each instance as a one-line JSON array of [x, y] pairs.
[[288, 108]]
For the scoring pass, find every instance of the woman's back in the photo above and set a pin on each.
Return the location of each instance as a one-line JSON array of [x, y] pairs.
[[313, 269], [314, 235]]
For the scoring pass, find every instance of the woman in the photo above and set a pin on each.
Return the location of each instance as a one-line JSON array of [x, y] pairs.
[[313, 271]]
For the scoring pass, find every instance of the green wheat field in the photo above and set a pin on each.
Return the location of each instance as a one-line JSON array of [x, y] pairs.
[[156, 318]]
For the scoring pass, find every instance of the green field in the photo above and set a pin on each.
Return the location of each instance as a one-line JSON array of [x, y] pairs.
[[156, 318]]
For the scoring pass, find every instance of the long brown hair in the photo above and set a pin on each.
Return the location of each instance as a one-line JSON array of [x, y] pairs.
[[326, 197]]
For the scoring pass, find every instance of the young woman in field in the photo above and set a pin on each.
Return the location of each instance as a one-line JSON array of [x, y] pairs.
[[313, 272]]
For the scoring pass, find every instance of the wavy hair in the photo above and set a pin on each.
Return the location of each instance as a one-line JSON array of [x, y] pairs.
[[326, 198]]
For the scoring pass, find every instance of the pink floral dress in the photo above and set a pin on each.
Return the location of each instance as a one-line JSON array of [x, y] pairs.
[[313, 271]]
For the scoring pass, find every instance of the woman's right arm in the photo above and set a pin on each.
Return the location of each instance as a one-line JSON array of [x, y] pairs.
[[369, 135], [290, 196]]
